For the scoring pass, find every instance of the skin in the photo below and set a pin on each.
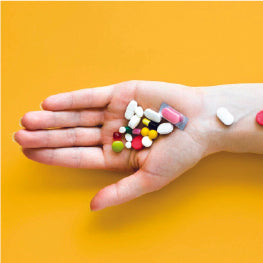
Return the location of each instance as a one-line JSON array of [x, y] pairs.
[[75, 130]]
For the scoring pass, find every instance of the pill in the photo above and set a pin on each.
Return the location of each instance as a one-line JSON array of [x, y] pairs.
[[146, 141], [136, 131], [137, 143], [145, 121], [128, 137], [128, 145], [224, 116], [259, 118], [130, 110], [125, 130], [144, 131], [153, 134], [171, 115], [128, 130], [117, 136], [134, 121], [165, 128], [153, 125], [117, 146], [152, 115], [139, 111], [122, 130], [150, 124]]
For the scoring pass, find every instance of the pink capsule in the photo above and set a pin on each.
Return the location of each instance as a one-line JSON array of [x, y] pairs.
[[136, 131], [171, 115]]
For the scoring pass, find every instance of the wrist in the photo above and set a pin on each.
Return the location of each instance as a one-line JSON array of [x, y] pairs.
[[243, 101]]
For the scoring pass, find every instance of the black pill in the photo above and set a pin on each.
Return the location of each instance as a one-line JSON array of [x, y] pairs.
[[153, 125]]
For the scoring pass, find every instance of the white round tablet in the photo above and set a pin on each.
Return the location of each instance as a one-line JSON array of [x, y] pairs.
[[128, 145], [146, 141], [128, 137]]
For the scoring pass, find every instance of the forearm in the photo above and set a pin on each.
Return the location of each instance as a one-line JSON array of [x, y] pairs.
[[244, 101]]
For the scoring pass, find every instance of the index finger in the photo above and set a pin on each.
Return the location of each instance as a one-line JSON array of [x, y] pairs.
[[83, 98]]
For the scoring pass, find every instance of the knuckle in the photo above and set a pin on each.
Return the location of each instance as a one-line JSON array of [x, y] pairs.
[[72, 136]]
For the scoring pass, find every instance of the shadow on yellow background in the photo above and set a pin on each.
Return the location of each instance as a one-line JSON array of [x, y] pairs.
[[213, 213]]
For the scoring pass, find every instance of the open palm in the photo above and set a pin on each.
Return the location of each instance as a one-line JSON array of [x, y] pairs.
[[75, 130]]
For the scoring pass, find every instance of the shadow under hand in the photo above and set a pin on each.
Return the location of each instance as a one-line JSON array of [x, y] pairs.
[[220, 173], [217, 172]]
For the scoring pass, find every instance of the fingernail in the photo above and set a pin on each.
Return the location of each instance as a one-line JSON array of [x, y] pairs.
[[13, 137], [41, 105], [20, 122]]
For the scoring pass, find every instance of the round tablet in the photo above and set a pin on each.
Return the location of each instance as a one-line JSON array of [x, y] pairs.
[[259, 118], [117, 146], [128, 145], [153, 134], [128, 137], [146, 141], [137, 143]]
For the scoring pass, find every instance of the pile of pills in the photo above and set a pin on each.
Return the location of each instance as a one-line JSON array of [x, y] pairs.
[[150, 120]]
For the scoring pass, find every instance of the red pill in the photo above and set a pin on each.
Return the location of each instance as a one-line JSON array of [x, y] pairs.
[[259, 118], [117, 136], [137, 143]]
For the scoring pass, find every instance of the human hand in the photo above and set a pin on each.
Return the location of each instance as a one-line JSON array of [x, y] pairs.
[[83, 122]]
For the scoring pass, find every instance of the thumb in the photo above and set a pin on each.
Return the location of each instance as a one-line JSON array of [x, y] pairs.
[[127, 189]]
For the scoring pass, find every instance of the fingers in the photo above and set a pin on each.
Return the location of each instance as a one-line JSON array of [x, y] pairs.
[[35, 120], [76, 157], [59, 138], [127, 189], [84, 98]]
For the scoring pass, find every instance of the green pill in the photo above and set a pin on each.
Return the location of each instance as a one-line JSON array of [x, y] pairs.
[[117, 146], [128, 130]]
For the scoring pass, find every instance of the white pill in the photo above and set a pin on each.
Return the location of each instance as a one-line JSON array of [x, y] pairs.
[[146, 141], [152, 115], [165, 128], [122, 130], [225, 116], [130, 110], [128, 137], [128, 145], [134, 121], [139, 111]]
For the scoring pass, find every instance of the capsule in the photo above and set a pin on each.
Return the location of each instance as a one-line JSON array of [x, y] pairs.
[[150, 124]]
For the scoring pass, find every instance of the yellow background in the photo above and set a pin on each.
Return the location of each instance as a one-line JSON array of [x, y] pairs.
[[213, 213]]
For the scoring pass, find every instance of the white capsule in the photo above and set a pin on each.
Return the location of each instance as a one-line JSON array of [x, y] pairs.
[[152, 115], [146, 141], [130, 110], [122, 129], [225, 116], [165, 128], [134, 121], [128, 137], [139, 111], [128, 145]]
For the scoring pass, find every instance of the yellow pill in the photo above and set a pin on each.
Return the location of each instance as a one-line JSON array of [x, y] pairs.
[[144, 131], [152, 134], [145, 121]]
